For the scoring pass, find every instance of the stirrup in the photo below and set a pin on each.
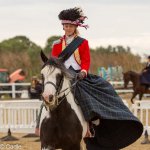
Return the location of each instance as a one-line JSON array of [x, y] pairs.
[[92, 130]]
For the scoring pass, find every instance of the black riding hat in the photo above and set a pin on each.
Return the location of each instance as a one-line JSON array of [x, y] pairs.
[[73, 16]]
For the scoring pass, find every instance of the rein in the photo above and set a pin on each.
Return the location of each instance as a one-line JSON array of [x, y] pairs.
[[56, 102]]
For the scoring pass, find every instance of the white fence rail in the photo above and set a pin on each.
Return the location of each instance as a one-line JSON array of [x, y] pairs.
[[141, 109], [19, 115], [13, 90], [121, 85]]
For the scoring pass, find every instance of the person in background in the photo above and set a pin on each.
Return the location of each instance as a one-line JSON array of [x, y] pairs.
[[35, 89], [145, 75]]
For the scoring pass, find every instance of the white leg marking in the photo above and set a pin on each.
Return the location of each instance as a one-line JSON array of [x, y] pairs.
[[82, 145], [76, 108]]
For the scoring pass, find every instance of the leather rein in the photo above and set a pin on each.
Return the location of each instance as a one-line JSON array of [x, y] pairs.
[[57, 100]]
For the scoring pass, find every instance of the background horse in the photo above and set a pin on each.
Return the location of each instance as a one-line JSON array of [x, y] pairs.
[[64, 126], [137, 87]]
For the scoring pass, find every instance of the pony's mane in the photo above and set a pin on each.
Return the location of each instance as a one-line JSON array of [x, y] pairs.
[[132, 72], [58, 63]]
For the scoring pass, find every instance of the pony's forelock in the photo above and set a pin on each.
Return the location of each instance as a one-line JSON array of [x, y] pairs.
[[58, 63]]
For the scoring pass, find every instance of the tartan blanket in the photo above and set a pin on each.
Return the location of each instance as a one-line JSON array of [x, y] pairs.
[[98, 99]]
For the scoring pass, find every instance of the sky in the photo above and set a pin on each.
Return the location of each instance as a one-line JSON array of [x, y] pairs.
[[111, 22]]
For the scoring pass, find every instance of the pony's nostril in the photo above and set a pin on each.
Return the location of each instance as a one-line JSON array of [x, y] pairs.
[[50, 98]]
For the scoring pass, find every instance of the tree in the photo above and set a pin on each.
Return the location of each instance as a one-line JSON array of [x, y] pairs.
[[18, 44], [20, 52], [49, 43]]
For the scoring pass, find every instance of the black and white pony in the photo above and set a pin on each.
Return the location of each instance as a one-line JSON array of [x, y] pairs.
[[64, 126]]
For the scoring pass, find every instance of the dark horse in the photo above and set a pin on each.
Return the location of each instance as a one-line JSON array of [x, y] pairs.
[[138, 88], [64, 125]]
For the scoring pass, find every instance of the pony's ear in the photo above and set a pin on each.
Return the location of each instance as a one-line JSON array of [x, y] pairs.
[[43, 57]]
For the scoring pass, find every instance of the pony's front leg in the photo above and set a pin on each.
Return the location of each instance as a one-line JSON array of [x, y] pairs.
[[82, 145]]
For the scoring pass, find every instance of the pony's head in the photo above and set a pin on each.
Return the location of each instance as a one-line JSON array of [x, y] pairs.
[[54, 77]]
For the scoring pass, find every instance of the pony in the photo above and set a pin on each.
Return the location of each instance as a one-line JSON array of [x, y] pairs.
[[64, 126], [138, 88]]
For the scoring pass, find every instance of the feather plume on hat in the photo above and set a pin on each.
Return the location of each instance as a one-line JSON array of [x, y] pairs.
[[73, 16]]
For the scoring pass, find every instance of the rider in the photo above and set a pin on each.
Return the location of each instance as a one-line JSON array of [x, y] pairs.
[[118, 127], [145, 76], [80, 60]]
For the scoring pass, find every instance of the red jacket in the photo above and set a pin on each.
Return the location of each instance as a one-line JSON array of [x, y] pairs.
[[83, 51]]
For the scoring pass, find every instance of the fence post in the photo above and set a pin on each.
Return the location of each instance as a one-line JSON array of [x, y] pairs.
[[13, 90]]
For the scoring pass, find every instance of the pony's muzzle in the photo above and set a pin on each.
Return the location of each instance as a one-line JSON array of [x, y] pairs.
[[48, 98]]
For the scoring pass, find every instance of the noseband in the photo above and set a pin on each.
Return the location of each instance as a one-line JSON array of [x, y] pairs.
[[49, 82], [55, 101], [52, 105]]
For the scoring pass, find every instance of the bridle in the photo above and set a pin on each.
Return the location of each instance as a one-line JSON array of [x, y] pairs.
[[57, 100]]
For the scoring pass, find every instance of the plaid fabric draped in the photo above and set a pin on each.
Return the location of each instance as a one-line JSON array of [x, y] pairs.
[[98, 99]]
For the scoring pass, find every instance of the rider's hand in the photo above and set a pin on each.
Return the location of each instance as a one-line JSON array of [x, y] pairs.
[[81, 75]]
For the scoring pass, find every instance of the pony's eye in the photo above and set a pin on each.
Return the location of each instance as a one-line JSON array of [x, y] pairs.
[[42, 79], [58, 79]]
